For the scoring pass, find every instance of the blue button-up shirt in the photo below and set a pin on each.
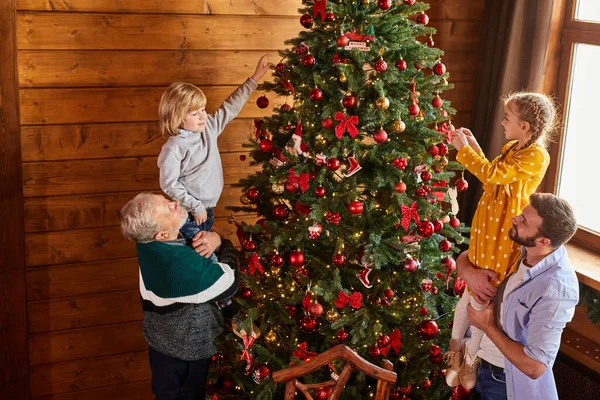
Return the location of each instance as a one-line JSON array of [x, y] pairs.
[[534, 314]]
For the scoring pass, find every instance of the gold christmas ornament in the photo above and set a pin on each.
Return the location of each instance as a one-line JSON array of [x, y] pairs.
[[366, 2], [343, 78], [271, 337], [444, 81], [245, 200], [398, 126], [444, 161], [420, 118], [332, 316], [382, 103], [275, 270], [297, 104], [278, 188]]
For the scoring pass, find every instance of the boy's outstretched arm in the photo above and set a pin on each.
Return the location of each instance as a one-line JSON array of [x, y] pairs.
[[262, 67]]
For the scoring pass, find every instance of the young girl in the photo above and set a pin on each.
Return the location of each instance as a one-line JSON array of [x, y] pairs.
[[508, 181], [189, 162]]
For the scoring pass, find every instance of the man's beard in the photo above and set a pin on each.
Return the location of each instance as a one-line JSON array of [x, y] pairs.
[[183, 219], [523, 241]]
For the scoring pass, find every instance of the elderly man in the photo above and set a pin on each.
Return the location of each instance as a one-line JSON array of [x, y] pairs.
[[531, 307], [179, 286]]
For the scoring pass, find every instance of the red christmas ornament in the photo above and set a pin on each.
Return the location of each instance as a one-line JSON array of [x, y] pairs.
[[314, 231], [280, 212], [409, 2], [315, 94], [333, 164], [291, 310], [252, 194], [261, 372], [315, 309], [400, 187], [425, 228], [380, 135], [423, 311], [250, 245], [333, 218], [306, 21], [438, 226], [384, 4], [430, 42], [242, 157], [410, 265], [437, 102], [426, 176], [291, 187], [443, 149], [434, 290], [413, 109], [309, 324], [301, 276], [383, 341], [262, 102], [461, 185], [400, 163], [266, 145], [401, 65], [461, 393], [280, 67], [323, 393], [435, 354], [276, 260], [427, 329], [380, 66], [308, 60], [246, 293], [285, 107], [349, 101], [439, 68], [388, 293], [449, 263], [433, 150], [296, 258], [327, 123], [319, 191], [426, 383], [422, 19], [330, 16], [300, 49], [454, 222], [445, 245], [356, 207], [342, 41], [341, 336], [339, 259]]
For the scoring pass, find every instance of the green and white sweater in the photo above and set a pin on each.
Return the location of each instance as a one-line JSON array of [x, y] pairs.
[[179, 289]]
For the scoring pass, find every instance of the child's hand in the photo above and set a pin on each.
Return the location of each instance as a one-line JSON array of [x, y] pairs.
[[262, 67], [200, 218], [459, 140], [470, 138]]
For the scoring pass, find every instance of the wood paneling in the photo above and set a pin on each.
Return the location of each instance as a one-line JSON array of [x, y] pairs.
[[89, 373], [133, 139], [136, 390], [80, 312], [109, 175], [82, 279], [69, 31], [240, 7], [13, 333], [76, 106], [73, 344]]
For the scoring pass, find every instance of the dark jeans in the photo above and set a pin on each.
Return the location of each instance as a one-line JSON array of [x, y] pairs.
[[189, 229], [175, 379], [491, 383]]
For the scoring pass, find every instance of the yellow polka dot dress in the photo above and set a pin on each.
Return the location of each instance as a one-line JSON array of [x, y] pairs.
[[507, 184]]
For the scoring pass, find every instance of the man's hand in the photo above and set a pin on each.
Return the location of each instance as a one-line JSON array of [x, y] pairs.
[[262, 67], [478, 280], [200, 218], [205, 243], [483, 320]]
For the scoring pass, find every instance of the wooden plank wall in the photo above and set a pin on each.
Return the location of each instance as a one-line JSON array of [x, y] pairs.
[[91, 73]]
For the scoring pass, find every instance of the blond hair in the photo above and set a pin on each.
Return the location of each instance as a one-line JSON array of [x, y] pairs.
[[539, 111], [179, 99]]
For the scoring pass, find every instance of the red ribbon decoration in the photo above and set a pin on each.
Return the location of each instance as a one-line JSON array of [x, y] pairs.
[[320, 7], [346, 123], [409, 213], [246, 356], [439, 195], [443, 129], [301, 180], [254, 264], [395, 343], [288, 85], [302, 352], [302, 209], [355, 300]]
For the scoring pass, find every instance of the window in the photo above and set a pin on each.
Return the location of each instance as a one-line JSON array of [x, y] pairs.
[[575, 156]]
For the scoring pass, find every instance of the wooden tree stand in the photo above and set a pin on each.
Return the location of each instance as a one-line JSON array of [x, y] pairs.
[[385, 376]]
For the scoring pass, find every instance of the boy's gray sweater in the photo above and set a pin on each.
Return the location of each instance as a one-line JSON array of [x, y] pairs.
[[190, 164]]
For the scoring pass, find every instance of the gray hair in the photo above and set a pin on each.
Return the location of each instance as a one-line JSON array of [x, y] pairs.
[[137, 219]]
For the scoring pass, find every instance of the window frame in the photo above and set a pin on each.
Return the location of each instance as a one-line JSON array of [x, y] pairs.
[[574, 31]]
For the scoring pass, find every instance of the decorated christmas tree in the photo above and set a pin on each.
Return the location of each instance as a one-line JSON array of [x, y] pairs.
[[355, 238]]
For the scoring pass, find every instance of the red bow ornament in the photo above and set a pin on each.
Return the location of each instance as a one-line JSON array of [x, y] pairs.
[[395, 343], [254, 264], [303, 353], [409, 213], [355, 300], [346, 124], [301, 180], [320, 7]]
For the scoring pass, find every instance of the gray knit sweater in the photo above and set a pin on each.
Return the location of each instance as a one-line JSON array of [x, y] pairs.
[[190, 164]]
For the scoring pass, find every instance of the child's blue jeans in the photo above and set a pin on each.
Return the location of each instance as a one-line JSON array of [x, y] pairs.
[[189, 228]]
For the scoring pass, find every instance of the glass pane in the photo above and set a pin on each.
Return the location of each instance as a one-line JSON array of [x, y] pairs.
[[578, 182], [588, 10]]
